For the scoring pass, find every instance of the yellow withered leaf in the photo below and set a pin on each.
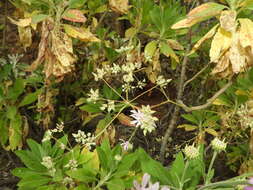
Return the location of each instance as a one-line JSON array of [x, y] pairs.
[[228, 20], [125, 120], [74, 15], [25, 36], [237, 56], [246, 33], [208, 35], [119, 6], [21, 22], [80, 33], [223, 68], [198, 14], [174, 44], [221, 42]]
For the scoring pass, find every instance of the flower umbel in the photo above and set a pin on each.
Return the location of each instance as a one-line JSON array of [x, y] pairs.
[[191, 152], [87, 140], [218, 144], [93, 96], [144, 119]]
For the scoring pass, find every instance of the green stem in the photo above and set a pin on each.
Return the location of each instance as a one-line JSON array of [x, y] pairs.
[[223, 183], [210, 168], [183, 175]]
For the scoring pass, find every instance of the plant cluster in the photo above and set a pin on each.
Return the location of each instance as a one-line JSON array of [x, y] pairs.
[[95, 62]]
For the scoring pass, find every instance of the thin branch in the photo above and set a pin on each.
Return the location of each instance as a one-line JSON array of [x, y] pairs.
[[174, 117], [196, 75], [209, 101]]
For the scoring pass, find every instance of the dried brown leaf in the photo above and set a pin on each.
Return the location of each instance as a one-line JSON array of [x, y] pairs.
[[119, 6], [228, 20], [221, 43], [74, 15]]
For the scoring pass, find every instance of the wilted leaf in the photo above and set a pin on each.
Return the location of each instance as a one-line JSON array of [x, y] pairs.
[[174, 44], [15, 132], [246, 34], [211, 132], [223, 68], [74, 15], [237, 56], [228, 20], [125, 120], [188, 127], [21, 22], [119, 6], [200, 13], [42, 46], [150, 49], [208, 35], [167, 51], [25, 36], [63, 51], [221, 42], [80, 33]]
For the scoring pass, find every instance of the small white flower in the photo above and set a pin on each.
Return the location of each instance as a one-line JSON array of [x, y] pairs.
[[144, 119], [161, 81], [128, 78], [218, 144], [93, 96], [191, 152], [141, 84], [117, 157], [123, 49], [47, 136], [128, 67], [68, 181], [127, 87], [110, 106], [126, 145], [99, 74], [47, 162], [86, 140], [115, 69], [59, 128], [72, 164], [62, 146]]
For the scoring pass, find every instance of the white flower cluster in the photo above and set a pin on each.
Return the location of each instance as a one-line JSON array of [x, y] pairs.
[[218, 145], [72, 164], [110, 106], [127, 72], [86, 140], [68, 181], [93, 96], [161, 81], [49, 133], [49, 164], [144, 119], [191, 152], [124, 49]]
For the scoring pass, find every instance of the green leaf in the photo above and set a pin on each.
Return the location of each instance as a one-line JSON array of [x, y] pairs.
[[177, 169], [91, 108], [33, 182], [150, 49], [168, 51], [76, 3], [102, 158], [110, 94], [3, 130], [115, 183], [15, 132], [11, 112], [188, 127], [17, 89], [30, 98], [38, 18], [191, 118], [85, 174]]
